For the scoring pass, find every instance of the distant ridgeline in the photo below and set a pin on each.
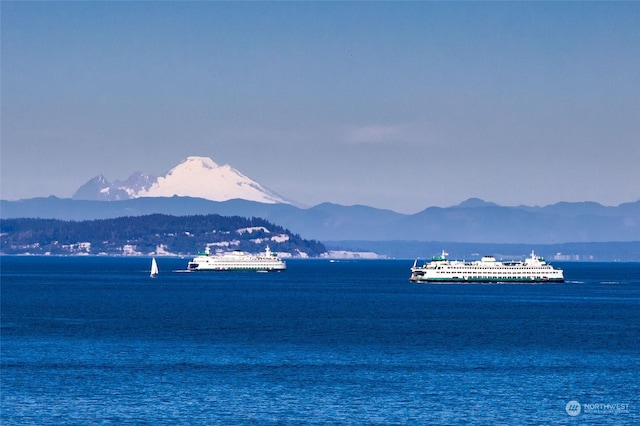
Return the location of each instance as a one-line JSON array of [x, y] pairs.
[[155, 234]]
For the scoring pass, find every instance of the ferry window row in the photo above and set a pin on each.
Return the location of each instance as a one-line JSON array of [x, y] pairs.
[[497, 272], [493, 268]]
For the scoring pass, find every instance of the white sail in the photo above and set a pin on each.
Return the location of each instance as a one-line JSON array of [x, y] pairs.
[[154, 267]]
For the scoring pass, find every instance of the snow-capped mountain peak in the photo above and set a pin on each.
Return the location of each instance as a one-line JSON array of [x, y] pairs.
[[99, 188], [198, 177], [194, 163]]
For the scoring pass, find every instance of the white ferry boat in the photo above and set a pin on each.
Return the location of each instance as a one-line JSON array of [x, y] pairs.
[[237, 260], [486, 270]]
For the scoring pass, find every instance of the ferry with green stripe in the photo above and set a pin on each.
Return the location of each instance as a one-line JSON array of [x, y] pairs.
[[534, 269], [237, 261]]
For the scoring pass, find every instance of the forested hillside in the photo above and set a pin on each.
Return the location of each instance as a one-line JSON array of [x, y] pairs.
[[155, 234]]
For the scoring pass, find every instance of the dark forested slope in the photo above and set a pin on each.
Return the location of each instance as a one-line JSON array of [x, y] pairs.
[[152, 234]]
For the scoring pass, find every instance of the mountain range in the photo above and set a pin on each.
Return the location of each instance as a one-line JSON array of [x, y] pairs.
[[199, 186], [471, 221], [198, 177]]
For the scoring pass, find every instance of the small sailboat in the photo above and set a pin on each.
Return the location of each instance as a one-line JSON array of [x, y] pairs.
[[154, 268]]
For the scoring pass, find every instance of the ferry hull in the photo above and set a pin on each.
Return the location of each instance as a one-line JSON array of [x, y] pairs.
[[206, 268], [423, 280]]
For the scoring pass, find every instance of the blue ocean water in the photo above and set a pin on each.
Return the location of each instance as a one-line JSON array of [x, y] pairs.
[[94, 340]]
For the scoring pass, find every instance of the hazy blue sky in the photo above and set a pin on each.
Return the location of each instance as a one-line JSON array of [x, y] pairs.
[[393, 105]]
